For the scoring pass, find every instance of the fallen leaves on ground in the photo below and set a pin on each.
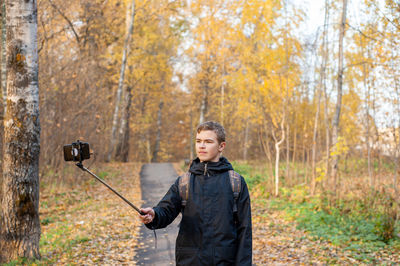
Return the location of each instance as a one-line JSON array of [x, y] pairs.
[[90, 225], [277, 241], [86, 224]]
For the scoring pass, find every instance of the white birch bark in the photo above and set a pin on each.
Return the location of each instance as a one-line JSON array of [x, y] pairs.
[[277, 155], [203, 107], [121, 82], [3, 55], [122, 151], [319, 93], [20, 231]]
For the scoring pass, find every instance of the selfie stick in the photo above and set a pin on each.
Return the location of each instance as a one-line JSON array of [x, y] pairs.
[[80, 165]]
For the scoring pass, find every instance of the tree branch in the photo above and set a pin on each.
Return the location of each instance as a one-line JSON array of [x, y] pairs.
[[65, 17]]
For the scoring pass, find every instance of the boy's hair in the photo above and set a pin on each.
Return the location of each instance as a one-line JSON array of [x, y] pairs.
[[213, 126]]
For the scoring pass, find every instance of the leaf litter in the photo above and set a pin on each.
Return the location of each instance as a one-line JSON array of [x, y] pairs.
[[87, 224], [90, 225]]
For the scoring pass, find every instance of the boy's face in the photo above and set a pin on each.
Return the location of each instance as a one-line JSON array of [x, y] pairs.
[[207, 147]]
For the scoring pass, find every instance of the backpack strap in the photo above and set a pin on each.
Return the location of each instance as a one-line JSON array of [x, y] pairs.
[[184, 187], [235, 183]]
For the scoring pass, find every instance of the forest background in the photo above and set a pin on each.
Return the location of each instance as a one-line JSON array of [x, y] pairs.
[[312, 117]]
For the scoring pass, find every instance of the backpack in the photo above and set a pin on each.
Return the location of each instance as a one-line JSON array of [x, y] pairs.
[[235, 184]]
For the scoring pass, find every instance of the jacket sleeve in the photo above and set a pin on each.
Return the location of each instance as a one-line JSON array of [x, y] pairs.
[[244, 254], [167, 209]]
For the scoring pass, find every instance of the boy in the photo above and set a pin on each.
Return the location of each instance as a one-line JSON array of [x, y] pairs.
[[215, 227]]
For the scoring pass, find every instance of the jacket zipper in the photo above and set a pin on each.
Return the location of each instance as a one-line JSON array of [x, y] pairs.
[[205, 169]]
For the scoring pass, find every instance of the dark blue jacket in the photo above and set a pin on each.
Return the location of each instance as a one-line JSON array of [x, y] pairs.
[[209, 232]]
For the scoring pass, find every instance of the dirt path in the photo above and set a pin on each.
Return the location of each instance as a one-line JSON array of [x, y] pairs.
[[156, 178]]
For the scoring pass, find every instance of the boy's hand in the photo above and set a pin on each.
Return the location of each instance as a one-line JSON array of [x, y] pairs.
[[148, 215]]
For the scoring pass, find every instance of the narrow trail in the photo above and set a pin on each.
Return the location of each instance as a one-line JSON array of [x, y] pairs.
[[156, 178]]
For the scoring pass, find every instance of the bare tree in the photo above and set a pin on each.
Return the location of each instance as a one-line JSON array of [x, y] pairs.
[[20, 228]]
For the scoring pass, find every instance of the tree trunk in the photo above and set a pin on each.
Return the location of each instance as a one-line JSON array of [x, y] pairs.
[[321, 84], [367, 131], [267, 150], [204, 105], [191, 141], [314, 145], [3, 100], [154, 159], [287, 152], [377, 136], [396, 171], [246, 140], [397, 142], [222, 91], [327, 137], [286, 102], [3, 55], [294, 154], [121, 83], [277, 155], [148, 147], [336, 118], [20, 228], [122, 151]]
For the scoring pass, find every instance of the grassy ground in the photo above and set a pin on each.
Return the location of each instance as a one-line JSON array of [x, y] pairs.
[[296, 228]]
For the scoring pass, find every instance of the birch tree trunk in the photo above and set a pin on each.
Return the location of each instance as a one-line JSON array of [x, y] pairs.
[[321, 84], [3, 54], [336, 118], [367, 131], [3, 85], [286, 102], [122, 151], [203, 107], [121, 83], [277, 155], [327, 136], [314, 145], [20, 228]]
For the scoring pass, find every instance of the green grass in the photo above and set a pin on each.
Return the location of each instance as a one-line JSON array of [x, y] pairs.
[[252, 175], [25, 261], [356, 232], [360, 226]]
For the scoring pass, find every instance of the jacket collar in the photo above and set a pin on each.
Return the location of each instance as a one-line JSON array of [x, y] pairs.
[[210, 168]]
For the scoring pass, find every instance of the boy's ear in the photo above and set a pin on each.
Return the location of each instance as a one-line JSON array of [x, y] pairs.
[[221, 146]]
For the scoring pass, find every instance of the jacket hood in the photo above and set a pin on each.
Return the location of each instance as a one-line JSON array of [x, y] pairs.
[[210, 168]]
